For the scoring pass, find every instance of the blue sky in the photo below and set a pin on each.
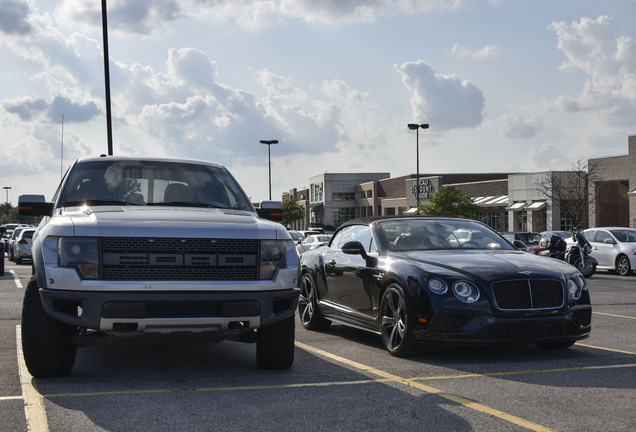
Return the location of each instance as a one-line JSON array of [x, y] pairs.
[[506, 85]]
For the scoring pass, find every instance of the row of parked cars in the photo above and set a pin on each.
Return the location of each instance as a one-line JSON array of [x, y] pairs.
[[309, 239], [613, 247], [17, 241]]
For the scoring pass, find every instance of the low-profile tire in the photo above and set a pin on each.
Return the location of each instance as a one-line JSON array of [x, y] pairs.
[[397, 322], [45, 341], [623, 267], [275, 344], [310, 316], [556, 345]]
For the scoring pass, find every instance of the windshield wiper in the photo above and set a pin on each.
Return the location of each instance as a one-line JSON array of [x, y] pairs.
[[180, 204], [97, 202]]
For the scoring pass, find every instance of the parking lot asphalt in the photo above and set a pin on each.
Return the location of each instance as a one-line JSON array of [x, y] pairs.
[[342, 379]]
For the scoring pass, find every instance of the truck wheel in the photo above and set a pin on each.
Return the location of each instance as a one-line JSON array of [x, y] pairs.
[[275, 345], [44, 339], [2, 264]]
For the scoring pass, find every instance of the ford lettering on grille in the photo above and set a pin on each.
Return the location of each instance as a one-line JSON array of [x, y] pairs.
[[192, 259]]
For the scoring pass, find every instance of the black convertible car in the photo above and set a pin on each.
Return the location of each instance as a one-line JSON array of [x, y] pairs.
[[433, 279]]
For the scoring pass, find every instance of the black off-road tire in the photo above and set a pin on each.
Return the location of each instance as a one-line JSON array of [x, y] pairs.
[[310, 316], [275, 344], [45, 345]]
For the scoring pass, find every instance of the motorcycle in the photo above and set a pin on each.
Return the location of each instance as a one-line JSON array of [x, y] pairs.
[[577, 254]]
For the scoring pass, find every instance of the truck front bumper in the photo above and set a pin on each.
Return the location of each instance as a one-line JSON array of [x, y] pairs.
[[164, 312]]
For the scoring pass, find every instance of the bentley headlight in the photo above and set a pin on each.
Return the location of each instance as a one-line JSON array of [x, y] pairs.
[[274, 257], [576, 285], [437, 286], [466, 291], [80, 253]]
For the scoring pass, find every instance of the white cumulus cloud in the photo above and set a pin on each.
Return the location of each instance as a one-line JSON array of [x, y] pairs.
[[445, 101]]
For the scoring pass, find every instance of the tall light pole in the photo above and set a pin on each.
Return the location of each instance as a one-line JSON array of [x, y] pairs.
[[269, 162], [6, 188], [109, 120], [417, 128]]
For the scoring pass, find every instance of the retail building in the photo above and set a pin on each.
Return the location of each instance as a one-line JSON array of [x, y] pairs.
[[509, 202]]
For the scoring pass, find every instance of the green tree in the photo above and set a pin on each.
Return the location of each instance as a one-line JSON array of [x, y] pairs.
[[450, 201], [292, 212]]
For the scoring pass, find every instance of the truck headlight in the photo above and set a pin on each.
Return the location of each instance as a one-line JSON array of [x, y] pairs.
[[273, 257], [80, 253]]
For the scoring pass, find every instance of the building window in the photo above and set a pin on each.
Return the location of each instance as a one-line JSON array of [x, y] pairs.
[[315, 192], [389, 211], [369, 194], [341, 215], [492, 219], [343, 196]]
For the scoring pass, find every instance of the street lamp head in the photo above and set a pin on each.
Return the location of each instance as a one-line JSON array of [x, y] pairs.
[[268, 142], [414, 126]]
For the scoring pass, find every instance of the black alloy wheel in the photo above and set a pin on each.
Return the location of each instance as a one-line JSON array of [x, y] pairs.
[[308, 311], [397, 322]]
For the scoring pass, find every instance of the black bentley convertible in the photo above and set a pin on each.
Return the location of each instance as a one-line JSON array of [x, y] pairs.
[[433, 279]]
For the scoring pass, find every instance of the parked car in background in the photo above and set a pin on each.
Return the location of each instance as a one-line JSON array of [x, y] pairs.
[[22, 245], [296, 236], [312, 241], [309, 232], [1, 258], [11, 244], [531, 240], [411, 281], [614, 248]]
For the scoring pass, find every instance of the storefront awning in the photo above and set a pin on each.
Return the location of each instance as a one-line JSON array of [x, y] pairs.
[[314, 207], [632, 192], [491, 201], [516, 206], [412, 210], [537, 205]]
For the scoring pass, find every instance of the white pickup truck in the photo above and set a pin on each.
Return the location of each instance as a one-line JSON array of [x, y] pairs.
[[147, 246]]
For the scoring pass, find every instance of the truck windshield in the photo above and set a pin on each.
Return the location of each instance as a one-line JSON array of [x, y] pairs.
[[155, 183]]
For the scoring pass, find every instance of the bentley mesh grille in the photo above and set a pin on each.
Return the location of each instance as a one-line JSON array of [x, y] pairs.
[[170, 259], [528, 294]]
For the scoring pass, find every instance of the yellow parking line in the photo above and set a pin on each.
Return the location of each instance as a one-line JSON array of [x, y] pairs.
[[614, 315], [212, 389], [33, 402], [524, 372], [455, 398], [605, 349]]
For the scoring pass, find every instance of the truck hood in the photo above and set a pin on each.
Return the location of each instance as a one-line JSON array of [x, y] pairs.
[[186, 222]]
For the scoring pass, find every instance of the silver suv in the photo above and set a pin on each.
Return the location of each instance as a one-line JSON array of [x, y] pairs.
[[132, 246]]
